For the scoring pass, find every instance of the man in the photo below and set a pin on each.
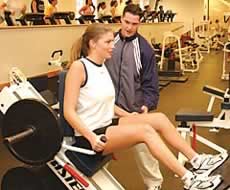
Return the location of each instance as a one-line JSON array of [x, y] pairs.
[[134, 74]]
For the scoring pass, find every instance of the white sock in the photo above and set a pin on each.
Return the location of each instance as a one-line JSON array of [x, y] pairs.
[[195, 161], [187, 179]]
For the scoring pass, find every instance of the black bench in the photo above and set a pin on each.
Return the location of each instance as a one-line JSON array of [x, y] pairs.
[[188, 115]]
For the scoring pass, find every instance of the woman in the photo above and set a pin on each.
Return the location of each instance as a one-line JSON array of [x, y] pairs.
[[89, 108], [87, 9], [51, 8], [37, 6], [101, 8], [113, 5]]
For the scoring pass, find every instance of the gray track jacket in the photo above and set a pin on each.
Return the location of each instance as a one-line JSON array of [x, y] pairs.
[[134, 73]]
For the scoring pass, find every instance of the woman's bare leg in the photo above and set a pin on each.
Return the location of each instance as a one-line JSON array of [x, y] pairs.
[[124, 136], [163, 126]]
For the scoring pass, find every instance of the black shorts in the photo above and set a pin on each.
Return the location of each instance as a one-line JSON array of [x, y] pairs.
[[82, 142]]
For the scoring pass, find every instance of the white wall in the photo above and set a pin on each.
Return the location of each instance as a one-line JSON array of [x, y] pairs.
[[187, 11], [217, 10], [31, 50]]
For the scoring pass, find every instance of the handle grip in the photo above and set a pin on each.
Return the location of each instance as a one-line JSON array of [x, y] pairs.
[[103, 139], [57, 51]]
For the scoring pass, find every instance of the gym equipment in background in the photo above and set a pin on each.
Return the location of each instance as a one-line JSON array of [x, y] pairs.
[[226, 62], [56, 59], [86, 19], [190, 118], [191, 55], [66, 16], [32, 19], [8, 18], [171, 67]]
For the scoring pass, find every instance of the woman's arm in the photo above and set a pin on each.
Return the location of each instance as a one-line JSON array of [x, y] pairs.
[[112, 11], [23, 11], [74, 79], [34, 6], [82, 10], [2, 5]]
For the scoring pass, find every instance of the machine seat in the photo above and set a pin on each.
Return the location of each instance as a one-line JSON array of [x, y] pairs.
[[87, 164], [193, 115], [214, 91]]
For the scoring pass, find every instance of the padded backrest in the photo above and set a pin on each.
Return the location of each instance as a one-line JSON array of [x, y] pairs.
[[68, 130]]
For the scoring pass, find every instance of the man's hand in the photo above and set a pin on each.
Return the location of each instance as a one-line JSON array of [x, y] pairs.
[[144, 109]]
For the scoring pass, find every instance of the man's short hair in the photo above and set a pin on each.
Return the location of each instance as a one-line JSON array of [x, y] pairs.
[[133, 9]]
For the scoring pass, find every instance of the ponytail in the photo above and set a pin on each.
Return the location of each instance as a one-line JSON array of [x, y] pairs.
[[99, 6], [75, 52]]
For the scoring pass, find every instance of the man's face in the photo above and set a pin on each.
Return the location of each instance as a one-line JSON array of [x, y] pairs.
[[129, 24]]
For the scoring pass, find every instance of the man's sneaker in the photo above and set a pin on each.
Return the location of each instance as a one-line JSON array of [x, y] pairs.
[[206, 163], [204, 183], [155, 188]]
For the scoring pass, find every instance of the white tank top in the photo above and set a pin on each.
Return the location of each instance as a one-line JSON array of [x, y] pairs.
[[96, 100]]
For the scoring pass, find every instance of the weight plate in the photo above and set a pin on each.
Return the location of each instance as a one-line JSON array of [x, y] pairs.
[[46, 140]]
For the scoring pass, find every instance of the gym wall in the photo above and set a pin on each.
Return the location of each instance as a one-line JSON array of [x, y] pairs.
[[30, 48], [187, 11]]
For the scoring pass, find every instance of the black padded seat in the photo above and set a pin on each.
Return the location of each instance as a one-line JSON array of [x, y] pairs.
[[215, 91], [193, 115], [180, 79], [87, 164], [225, 105], [164, 83]]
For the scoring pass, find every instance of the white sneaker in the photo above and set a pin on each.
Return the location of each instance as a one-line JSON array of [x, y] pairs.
[[155, 188], [205, 164], [204, 183]]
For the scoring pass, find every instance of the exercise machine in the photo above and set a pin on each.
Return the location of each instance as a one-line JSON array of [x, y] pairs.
[[86, 19], [57, 17], [189, 119], [171, 67], [202, 37], [8, 18], [191, 56], [56, 59], [226, 62], [32, 19], [34, 134]]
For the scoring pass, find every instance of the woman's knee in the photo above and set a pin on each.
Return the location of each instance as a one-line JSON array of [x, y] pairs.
[[161, 121], [161, 116], [148, 131]]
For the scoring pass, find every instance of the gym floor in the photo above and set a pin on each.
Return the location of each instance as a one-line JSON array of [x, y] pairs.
[[172, 98]]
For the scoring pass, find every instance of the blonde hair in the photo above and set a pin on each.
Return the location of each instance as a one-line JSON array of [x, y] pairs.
[[80, 47]]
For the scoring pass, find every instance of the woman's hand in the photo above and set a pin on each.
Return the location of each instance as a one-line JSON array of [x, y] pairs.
[[98, 143]]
